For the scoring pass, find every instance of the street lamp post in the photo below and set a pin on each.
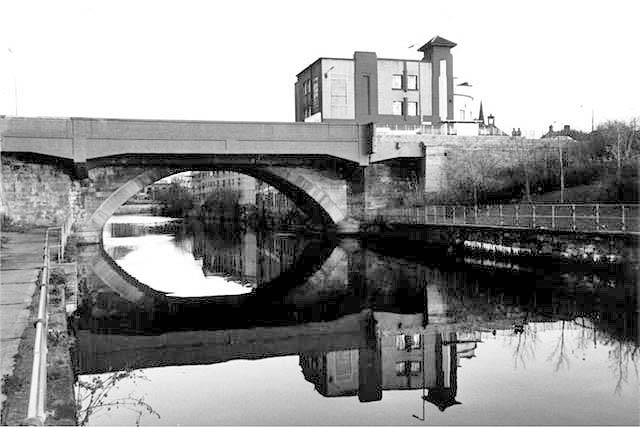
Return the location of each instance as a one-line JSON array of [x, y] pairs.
[[561, 171]]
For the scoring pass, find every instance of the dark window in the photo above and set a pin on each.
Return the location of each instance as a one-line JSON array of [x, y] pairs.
[[315, 94]]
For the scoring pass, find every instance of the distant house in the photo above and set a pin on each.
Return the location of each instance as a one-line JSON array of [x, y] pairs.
[[565, 133]]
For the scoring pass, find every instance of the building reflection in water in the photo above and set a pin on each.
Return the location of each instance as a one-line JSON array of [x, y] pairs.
[[396, 359], [248, 258]]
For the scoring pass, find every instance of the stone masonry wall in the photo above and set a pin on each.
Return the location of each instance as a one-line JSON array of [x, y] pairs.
[[464, 152], [38, 194], [392, 184]]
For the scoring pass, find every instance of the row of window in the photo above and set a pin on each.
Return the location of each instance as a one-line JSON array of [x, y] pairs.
[[308, 88], [308, 111], [412, 82], [399, 106], [407, 368], [408, 342], [311, 91]]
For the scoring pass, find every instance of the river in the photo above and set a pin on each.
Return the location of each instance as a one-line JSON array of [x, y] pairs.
[[192, 325]]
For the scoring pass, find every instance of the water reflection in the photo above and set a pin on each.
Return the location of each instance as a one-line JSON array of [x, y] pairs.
[[190, 261], [482, 344]]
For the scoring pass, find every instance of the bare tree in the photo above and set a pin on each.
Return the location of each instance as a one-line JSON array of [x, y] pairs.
[[560, 351], [93, 396], [472, 171], [525, 345], [621, 139], [620, 356]]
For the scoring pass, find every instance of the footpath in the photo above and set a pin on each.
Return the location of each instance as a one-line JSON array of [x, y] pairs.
[[20, 265]]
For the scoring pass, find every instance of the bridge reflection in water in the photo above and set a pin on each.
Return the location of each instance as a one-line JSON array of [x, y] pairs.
[[361, 322]]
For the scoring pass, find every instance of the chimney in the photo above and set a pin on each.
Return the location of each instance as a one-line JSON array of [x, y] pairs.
[[566, 129]]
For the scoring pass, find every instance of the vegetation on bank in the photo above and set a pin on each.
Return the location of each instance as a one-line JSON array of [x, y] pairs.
[[607, 160], [177, 201], [7, 224]]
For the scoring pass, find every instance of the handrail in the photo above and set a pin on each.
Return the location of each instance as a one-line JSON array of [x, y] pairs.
[[587, 217], [38, 388]]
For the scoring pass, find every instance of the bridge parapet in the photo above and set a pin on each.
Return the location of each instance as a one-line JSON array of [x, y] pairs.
[[84, 139]]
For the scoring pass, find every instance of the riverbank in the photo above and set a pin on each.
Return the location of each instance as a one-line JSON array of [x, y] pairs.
[[21, 263], [611, 251], [21, 268]]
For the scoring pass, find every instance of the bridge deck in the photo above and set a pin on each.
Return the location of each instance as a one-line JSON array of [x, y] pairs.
[[82, 139]]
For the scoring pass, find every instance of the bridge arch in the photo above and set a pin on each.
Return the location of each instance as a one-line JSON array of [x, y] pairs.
[[321, 195]]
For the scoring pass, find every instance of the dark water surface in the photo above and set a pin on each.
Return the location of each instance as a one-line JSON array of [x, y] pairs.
[[180, 325]]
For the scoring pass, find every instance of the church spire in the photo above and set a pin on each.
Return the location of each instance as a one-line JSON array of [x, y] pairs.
[[481, 114]]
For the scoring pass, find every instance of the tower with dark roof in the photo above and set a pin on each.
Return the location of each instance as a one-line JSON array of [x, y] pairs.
[[437, 51]]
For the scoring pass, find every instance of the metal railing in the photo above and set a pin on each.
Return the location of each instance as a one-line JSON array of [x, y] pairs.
[[36, 414], [568, 217], [446, 128]]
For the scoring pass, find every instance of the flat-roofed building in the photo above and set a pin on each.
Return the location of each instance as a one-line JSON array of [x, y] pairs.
[[366, 89]]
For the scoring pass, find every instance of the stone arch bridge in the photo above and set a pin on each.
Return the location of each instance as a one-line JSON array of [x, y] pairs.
[[90, 167]]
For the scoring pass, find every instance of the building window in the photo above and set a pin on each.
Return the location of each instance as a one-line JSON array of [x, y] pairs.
[[412, 82], [396, 82], [412, 108], [400, 369], [338, 91], [408, 367], [315, 96], [343, 365], [397, 108], [417, 338]]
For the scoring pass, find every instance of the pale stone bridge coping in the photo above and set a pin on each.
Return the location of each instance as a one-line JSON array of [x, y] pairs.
[[86, 139]]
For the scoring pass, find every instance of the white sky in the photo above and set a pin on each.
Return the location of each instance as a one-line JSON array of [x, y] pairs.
[[534, 63]]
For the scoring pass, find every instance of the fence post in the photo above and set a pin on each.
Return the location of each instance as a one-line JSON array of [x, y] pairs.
[[501, 215], [573, 217], [597, 217], [553, 217], [475, 209], [533, 216], [435, 214], [517, 215], [454, 215], [624, 225]]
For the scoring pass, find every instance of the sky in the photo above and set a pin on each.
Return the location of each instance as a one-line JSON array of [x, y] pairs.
[[532, 63]]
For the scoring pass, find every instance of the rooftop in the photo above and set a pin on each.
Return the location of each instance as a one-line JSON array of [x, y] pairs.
[[437, 41]]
